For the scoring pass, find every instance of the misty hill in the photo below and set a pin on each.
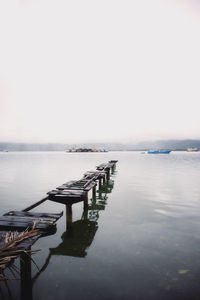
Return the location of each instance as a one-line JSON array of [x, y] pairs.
[[168, 144], [145, 145]]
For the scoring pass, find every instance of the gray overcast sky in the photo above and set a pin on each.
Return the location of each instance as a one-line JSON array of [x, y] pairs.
[[87, 70]]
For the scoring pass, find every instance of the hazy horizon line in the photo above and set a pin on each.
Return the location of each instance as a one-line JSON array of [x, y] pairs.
[[102, 142]]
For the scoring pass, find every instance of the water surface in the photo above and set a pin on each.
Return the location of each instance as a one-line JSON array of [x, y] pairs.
[[140, 238]]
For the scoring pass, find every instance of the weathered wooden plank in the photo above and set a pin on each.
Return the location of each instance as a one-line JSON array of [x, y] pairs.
[[27, 219], [67, 192], [15, 225], [95, 174], [101, 167], [77, 187], [82, 183], [107, 166], [35, 214]]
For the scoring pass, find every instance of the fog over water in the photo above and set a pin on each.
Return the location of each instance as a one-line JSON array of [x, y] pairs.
[[99, 71]]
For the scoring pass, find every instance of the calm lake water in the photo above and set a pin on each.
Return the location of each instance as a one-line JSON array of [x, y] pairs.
[[139, 240]]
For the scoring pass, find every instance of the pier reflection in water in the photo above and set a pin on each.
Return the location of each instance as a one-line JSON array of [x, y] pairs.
[[78, 237], [75, 240]]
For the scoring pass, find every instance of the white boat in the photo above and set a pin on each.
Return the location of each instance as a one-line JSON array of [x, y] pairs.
[[194, 149]]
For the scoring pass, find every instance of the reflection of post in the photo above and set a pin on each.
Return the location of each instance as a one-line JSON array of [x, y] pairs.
[[69, 216], [85, 215], [85, 202], [25, 273]]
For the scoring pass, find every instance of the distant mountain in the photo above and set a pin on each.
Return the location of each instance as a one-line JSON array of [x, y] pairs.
[[168, 144], [31, 147], [144, 145]]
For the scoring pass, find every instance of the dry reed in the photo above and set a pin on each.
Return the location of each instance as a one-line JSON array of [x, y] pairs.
[[11, 249]]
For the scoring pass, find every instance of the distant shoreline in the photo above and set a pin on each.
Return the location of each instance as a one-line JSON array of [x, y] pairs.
[[113, 150], [174, 145]]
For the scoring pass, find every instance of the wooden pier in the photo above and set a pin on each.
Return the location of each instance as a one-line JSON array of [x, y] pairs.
[[77, 191], [68, 194]]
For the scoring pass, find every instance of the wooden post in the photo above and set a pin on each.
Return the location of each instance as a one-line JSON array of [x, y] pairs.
[[85, 202], [100, 194], [94, 192], [108, 174], [99, 183], [69, 216], [25, 274]]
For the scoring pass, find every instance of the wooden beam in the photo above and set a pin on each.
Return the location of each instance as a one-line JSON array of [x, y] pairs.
[[35, 204]]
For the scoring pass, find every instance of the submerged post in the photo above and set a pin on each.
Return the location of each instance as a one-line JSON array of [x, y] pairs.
[[25, 274]]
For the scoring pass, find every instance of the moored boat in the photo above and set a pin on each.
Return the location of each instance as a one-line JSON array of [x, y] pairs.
[[160, 151], [194, 149]]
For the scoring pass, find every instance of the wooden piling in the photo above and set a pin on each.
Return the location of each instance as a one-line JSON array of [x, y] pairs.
[[94, 192], [69, 216], [108, 174], [85, 202], [25, 274], [99, 183]]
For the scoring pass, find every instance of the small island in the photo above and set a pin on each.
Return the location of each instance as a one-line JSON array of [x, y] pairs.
[[75, 149]]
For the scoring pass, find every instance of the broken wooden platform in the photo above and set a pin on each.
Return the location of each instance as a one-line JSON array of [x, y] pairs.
[[69, 193], [67, 196], [84, 184], [107, 168], [95, 175], [20, 221], [77, 190]]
